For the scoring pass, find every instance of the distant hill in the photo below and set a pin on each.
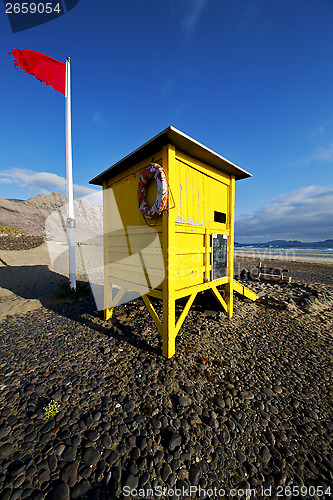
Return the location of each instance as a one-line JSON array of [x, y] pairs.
[[290, 244], [32, 214], [295, 243]]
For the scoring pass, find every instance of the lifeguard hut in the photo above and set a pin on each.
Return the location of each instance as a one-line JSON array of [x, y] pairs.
[[168, 216]]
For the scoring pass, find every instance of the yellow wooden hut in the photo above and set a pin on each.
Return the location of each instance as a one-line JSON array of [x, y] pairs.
[[187, 245]]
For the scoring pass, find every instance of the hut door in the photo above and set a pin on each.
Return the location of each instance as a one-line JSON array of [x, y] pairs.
[[219, 255]]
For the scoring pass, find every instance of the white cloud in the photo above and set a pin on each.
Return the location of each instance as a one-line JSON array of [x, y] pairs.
[[45, 182], [323, 154], [319, 131], [305, 214], [192, 15]]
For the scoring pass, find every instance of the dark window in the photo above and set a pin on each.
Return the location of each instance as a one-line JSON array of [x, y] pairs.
[[220, 217]]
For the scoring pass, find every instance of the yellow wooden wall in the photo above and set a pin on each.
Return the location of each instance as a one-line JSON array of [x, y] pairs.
[[132, 249], [196, 190], [199, 190]]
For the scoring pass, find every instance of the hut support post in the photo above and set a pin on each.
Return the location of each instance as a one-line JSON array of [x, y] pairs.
[[229, 286], [168, 246], [108, 313]]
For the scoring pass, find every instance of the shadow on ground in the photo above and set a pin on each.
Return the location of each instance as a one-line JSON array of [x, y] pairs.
[[39, 282]]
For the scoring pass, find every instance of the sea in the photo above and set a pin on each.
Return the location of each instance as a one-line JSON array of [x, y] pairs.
[[287, 252]]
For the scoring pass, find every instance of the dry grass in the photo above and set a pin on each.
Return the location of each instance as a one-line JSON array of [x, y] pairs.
[[11, 230]]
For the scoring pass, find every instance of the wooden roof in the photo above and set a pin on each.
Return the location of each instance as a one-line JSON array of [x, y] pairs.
[[183, 143]]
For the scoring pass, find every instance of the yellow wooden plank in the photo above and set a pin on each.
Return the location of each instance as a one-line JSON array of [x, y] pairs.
[[107, 284], [153, 313], [137, 287], [121, 249], [188, 228], [190, 250], [202, 167], [185, 291], [219, 298], [148, 279], [135, 230], [169, 218], [136, 267], [120, 293], [185, 312], [230, 270], [243, 290], [207, 256], [108, 313], [156, 293], [134, 169]]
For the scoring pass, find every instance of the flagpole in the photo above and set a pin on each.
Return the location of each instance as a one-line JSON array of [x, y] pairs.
[[70, 223]]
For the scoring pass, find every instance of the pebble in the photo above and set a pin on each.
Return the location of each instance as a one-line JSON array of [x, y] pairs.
[[165, 471], [132, 482], [69, 454], [91, 456], [93, 436], [240, 456], [69, 473], [61, 492], [310, 413], [195, 474], [30, 437], [129, 406], [174, 441], [6, 450], [247, 395], [106, 441], [266, 456], [80, 490], [4, 431], [183, 401]]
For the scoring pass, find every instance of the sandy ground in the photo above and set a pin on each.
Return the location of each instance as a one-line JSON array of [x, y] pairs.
[[30, 278]]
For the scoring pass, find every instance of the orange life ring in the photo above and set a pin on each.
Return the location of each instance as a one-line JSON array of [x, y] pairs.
[[156, 172]]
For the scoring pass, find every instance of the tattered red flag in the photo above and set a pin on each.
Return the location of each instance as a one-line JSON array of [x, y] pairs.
[[44, 68]]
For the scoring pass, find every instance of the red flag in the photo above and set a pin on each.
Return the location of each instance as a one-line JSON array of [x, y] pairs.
[[44, 68]]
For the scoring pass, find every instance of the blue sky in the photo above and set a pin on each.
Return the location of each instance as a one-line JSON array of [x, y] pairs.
[[252, 80]]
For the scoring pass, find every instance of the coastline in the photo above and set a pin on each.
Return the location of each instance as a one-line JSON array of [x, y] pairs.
[[287, 256]]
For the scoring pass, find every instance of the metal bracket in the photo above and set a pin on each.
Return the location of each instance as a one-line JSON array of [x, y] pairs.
[[70, 222]]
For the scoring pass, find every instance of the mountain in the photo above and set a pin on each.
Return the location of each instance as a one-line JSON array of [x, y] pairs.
[[50, 210], [30, 215], [295, 243]]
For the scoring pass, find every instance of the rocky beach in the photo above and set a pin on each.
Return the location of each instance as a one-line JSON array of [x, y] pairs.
[[243, 410]]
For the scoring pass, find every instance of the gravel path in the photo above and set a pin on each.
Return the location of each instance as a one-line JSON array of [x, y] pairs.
[[244, 405]]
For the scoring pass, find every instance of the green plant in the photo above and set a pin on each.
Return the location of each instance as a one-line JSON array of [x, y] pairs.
[[52, 409], [11, 230]]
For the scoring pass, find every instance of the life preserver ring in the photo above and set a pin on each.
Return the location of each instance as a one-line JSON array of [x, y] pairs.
[[156, 172]]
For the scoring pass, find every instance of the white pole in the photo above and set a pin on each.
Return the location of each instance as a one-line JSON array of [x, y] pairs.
[[70, 223]]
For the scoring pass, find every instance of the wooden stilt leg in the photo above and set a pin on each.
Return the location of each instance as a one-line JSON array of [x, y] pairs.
[[108, 313], [169, 327], [229, 288]]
